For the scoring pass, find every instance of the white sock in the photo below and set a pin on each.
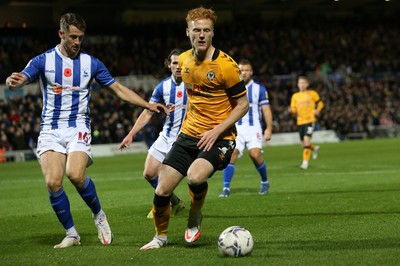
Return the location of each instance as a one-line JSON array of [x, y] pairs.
[[100, 214], [72, 231], [162, 238]]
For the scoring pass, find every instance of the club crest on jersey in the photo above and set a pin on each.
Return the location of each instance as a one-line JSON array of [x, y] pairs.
[[179, 94], [86, 72], [211, 75]]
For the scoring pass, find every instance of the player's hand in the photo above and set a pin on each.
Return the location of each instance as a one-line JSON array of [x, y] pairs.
[[156, 107], [208, 139], [267, 134], [125, 143], [15, 81]]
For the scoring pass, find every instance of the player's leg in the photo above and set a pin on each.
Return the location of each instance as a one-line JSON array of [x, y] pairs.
[[52, 157], [151, 169], [173, 169], [198, 173], [152, 166], [227, 175], [169, 178], [315, 150], [254, 146], [78, 159], [75, 170], [305, 132], [155, 156], [53, 165], [229, 171], [200, 170], [306, 152], [261, 166]]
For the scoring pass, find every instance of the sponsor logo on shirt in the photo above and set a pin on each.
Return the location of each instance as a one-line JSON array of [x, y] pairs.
[[57, 88]]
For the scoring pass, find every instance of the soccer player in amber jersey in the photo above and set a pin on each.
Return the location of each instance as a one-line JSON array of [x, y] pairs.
[[66, 74], [307, 105], [217, 100]]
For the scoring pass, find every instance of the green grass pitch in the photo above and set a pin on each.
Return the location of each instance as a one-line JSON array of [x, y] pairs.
[[344, 210]]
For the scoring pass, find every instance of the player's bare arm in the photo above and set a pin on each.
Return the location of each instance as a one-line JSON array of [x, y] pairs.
[[142, 120], [130, 96], [210, 137], [266, 109]]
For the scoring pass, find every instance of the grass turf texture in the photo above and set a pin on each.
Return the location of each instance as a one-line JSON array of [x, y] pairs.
[[344, 210]]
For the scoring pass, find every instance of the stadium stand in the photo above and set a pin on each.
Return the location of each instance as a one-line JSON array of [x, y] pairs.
[[352, 63]]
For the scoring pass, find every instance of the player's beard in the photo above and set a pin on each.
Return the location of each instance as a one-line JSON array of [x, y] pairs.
[[73, 51]]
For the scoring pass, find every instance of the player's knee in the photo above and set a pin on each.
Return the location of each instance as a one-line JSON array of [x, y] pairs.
[[53, 185], [149, 175], [77, 178], [256, 155], [163, 191], [196, 179]]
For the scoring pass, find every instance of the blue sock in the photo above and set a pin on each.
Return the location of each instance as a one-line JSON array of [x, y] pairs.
[[89, 195], [153, 182], [262, 170], [228, 174], [60, 203]]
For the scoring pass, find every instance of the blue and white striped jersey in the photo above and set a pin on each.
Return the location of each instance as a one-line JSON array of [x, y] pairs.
[[258, 97], [65, 84], [172, 95]]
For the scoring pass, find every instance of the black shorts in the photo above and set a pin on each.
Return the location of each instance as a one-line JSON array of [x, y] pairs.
[[184, 151], [306, 130]]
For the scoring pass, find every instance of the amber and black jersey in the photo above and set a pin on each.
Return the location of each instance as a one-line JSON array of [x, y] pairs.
[[211, 86], [304, 103]]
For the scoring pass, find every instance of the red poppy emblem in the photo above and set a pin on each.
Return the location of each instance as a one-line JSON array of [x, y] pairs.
[[67, 72], [179, 94]]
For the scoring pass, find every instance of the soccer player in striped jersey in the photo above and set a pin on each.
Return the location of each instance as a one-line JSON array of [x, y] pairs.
[[306, 105], [65, 76], [170, 92], [250, 130], [216, 101]]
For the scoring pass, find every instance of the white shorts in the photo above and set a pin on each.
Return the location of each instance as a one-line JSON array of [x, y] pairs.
[[65, 141], [250, 137], [161, 147]]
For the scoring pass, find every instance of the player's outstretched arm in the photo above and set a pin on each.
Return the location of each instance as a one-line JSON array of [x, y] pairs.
[[142, 120], [132, 97]]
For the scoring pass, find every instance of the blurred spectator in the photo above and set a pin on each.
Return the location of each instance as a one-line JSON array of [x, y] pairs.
[[353, 64]]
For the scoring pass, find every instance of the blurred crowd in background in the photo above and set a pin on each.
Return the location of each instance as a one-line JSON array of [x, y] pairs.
[[354, 65]]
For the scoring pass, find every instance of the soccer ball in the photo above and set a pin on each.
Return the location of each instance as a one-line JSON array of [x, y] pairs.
[[235, 241]]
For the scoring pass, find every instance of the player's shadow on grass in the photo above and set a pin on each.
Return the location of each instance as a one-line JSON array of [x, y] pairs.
[[326, 245], [245, 190], [225, 216], [54, 239], [250, 191]]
